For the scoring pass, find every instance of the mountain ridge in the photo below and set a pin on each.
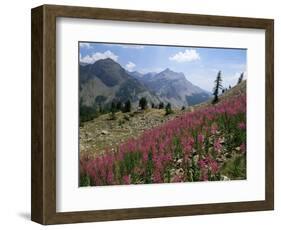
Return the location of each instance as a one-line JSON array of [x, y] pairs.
[[115, 82], [173, 87], [106, 80]]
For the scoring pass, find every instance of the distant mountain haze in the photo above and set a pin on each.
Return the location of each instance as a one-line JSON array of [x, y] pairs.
[[106, 81], [181, 90], [173, 87]]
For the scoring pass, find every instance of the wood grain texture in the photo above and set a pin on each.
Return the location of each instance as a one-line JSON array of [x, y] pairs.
[[37, 204], [269, 114], [44, 114]]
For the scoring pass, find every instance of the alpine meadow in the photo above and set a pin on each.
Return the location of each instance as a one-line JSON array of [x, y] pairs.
[[161, 114]]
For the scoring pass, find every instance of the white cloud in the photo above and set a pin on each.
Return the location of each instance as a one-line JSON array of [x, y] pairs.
[[132, 46], [127, 46], [89, 59], [85, 45], [130, 66], [186, 56]]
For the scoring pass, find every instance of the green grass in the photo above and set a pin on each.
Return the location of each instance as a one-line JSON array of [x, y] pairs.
[[85, 181], [235, 169]]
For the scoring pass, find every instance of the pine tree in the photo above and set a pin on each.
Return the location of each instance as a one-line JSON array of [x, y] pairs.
[[143, 103], [113, 111], [127, 107], [217, 87], [240, 79], [101, 110], [168, 109], [161, 105], [118, 106]]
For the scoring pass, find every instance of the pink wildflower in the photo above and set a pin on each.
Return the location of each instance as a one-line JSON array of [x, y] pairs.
[[241, 125], [177, 178], [217, 145], [157, 176], [201, 164], [200, 138], [214, 166], [243, 148], [127, 179], [204, 175], [214, 128], [110, 177]]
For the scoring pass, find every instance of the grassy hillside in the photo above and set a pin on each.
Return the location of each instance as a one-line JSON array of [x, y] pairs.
[[207, 142]]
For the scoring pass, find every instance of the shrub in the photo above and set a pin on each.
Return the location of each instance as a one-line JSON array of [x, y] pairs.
[[127, 107], [143, 103], [161, 105], [168, 109]]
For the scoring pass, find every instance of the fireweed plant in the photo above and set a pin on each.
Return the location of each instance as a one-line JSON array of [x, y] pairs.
[[208, 144]]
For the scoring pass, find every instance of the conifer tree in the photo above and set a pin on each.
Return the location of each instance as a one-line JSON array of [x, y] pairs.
[[240, 79], [143, 103], [218, 86], [127, 107]]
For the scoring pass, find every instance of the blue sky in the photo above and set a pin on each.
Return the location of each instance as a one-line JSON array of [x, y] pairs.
[[200, 65]]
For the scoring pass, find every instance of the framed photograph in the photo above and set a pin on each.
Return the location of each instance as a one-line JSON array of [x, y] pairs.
[[140, 114]]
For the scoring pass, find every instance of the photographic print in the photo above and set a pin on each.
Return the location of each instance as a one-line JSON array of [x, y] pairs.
[[150, 105], [161, 114]]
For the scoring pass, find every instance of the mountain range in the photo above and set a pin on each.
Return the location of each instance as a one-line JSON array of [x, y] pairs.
[[106, 80]]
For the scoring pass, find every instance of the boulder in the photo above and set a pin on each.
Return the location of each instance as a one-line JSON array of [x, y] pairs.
[[104, 132]]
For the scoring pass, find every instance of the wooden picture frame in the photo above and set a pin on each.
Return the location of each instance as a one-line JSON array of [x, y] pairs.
[[43, 202]]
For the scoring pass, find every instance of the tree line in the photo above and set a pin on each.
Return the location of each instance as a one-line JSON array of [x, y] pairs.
[[88, 113], [218, 86]]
